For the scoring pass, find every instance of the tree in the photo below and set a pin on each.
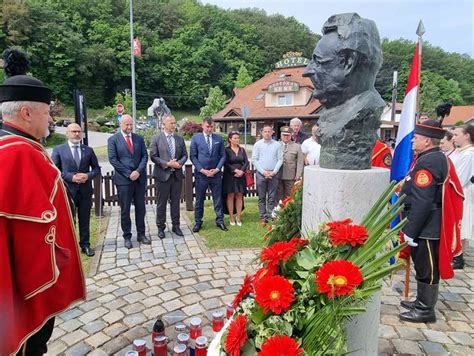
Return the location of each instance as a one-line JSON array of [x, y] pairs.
[[215, 102], [243, 78], [436, 90]]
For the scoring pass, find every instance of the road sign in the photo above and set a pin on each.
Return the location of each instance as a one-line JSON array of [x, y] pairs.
[[120, 108], [245, 112]]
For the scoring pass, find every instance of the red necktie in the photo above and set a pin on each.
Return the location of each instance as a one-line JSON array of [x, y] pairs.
[[129, 143]]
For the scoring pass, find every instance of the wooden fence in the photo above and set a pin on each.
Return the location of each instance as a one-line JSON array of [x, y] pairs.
[[105, 192]]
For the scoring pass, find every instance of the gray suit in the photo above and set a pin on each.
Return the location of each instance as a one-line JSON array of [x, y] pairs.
[[168, 180], [292, 167]]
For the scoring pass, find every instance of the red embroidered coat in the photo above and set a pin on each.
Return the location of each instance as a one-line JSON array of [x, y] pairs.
[[41, 273]]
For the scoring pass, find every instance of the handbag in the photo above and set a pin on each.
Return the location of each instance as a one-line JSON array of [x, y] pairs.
[[249, 180]]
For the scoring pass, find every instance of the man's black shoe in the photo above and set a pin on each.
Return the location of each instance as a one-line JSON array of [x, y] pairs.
[[161, 233], [197, 227], [177, 231], [144, 240], [458, 262], [128, 244], [88, 251], [222, 226]]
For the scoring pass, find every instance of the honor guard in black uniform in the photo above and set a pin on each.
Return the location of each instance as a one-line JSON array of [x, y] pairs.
[[423, 203]]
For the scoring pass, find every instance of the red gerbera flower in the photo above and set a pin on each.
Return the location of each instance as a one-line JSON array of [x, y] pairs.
[[236, 336], [245, 289], [299, 242], [334, 224], [279, 251], [286, 200], [345, 234], [269, 270], [338, 278], [280, 346], [274, 293]]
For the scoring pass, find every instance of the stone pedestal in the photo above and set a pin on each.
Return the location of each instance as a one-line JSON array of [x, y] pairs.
[[346, 194]]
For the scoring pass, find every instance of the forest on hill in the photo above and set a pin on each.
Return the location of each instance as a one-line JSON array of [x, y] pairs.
[[188, 48]]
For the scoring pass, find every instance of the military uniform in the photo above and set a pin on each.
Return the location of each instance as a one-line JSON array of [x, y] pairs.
[[423, 187], [292, 167]]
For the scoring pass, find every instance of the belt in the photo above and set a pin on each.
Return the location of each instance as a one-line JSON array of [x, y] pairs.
[[434, 206]]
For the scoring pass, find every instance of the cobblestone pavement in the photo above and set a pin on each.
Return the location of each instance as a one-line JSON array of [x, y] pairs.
[[178, 278]]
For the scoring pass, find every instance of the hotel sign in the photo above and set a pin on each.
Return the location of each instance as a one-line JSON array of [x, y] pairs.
[[292, 62], [284, 86]]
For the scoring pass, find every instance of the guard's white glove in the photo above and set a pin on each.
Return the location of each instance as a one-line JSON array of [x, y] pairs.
[[411, 242]]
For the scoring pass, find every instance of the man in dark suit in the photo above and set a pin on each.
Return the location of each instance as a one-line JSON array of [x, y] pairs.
[[208, 156], [79, 166], [168, 152], [128, 156]]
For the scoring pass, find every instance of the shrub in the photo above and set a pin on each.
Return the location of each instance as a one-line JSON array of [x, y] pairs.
[[101, 120], [190, 128], [147, 135]]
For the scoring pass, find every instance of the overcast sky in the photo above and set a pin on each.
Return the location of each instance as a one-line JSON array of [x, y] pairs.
[[449, 24]]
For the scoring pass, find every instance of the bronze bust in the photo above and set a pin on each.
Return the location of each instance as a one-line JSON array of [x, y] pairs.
[[343, 69]]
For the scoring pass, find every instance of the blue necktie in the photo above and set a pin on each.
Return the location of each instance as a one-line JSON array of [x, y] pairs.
[[208, 138], [76, 157]]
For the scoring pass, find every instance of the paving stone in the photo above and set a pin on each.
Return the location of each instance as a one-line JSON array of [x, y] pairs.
[[133, 308], [71, 314], [458, 350], [134, 297], [74, 337], [134, 319], [113, 316], [97, 339], [174, 317], [406, 347], [78, 349], [385, 347], [115, 329], [137, 332], [461, 326], [56, 347], [194, 309], [433, 348], [437, 336], [115, 345], [93, 315], [170, 285], [172, 305], [170, 295], [387, 332], [461, 338], [94, 327], [98, 353], [71, 325], [154, 312]]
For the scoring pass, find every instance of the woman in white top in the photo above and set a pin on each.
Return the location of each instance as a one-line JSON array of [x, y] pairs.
[[463, 160]]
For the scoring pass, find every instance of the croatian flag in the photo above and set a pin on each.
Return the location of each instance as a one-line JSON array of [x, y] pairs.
[[403, 154]]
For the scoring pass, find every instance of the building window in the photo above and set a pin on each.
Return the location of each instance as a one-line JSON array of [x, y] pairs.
[[285, 99]]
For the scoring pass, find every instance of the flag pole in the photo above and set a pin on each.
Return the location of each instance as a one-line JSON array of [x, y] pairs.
[[419, 31]]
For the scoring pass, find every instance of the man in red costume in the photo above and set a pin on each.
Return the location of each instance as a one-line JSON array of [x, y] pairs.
[[381, 155], [433, 193], [40, 270]]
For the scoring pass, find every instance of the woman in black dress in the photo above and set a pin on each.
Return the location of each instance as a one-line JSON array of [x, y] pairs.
[[234, 186]]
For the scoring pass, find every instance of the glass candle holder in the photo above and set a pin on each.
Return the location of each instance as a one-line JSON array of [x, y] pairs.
[[160, 346], [139, 345], [182, 339], [131, 353], [217, 321], [180, 350], [195, 328], [201, 346], [229, 311]]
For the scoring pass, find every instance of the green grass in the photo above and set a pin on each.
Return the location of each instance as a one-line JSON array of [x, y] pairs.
[[249, 235], [54, 140], [192, 115], [97, 227]]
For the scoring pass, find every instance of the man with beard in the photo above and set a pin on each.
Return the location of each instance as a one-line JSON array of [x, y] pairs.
[[40, 269], [79, 166]]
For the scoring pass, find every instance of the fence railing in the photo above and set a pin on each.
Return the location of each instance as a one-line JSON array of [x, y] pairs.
[[105, 192]]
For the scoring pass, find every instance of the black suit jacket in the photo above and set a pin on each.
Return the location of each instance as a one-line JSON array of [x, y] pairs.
[[63, 159], [124, 162], [200, 155], [160, 155]]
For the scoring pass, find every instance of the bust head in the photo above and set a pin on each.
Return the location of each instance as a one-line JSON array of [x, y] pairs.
[[346, 59]]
